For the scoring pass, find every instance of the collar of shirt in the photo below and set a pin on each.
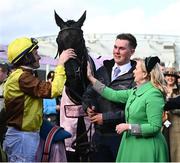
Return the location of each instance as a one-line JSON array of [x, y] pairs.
[[124, 68]]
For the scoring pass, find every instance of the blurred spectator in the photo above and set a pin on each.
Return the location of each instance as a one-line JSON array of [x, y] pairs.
[[50, 107], [3, 75], [171, 77], [162, 66]]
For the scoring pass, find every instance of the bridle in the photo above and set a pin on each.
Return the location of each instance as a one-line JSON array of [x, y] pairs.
[[64, 29], [73, 28], [80, 63]]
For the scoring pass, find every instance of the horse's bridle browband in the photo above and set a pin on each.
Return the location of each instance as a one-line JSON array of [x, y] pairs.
[[68, 28]]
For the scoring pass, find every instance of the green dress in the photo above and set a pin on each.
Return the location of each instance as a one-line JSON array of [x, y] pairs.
[[144, 107]]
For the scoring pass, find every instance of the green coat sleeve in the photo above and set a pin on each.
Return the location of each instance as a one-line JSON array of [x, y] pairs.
[[116, 96], [154, 108]]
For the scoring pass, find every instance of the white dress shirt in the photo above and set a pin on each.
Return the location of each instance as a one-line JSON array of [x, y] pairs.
[[124, 69]]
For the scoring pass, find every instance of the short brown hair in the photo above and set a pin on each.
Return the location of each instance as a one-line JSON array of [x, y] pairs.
[[129, 37]]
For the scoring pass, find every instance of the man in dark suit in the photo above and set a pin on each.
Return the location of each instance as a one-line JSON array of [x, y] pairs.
[[117, 74]]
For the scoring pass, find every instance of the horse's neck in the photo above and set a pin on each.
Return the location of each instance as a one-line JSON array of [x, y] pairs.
[[82, 54], [82, 48]]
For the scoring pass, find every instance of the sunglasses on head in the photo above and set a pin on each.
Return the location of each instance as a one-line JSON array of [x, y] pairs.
[[171, 74]]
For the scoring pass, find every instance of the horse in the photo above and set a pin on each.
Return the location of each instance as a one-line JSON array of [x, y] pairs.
[[71, 36]]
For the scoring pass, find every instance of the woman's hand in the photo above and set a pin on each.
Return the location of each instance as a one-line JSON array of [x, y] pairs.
[[57, 108], [65, 56], [89, 74], [122, 127], [97, 118]]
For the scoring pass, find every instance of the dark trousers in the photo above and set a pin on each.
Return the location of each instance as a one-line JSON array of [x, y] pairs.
[[106, 147], [72, 156]]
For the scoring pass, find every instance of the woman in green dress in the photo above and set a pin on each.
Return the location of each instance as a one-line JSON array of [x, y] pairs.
[[142, 138]]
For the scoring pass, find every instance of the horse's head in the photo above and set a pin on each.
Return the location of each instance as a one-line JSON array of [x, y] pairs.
[[71, 36]]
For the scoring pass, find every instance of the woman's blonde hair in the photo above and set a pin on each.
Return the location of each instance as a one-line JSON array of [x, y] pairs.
[[155, 76]]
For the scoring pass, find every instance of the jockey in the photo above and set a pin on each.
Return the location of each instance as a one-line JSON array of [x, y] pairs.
[[23, 93]]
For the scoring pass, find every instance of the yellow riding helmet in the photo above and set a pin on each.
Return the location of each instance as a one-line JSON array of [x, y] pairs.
[[20, 47]]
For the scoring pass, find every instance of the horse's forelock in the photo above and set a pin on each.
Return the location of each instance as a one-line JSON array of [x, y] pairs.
[[70, 23], [70, 37]]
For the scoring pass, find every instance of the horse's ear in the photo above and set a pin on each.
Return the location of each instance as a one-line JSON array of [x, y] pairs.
[[81, 20], [58, 20]]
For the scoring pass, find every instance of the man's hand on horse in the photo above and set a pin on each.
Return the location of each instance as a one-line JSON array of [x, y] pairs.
[[91, 111], [98, 119], [66, 55]]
